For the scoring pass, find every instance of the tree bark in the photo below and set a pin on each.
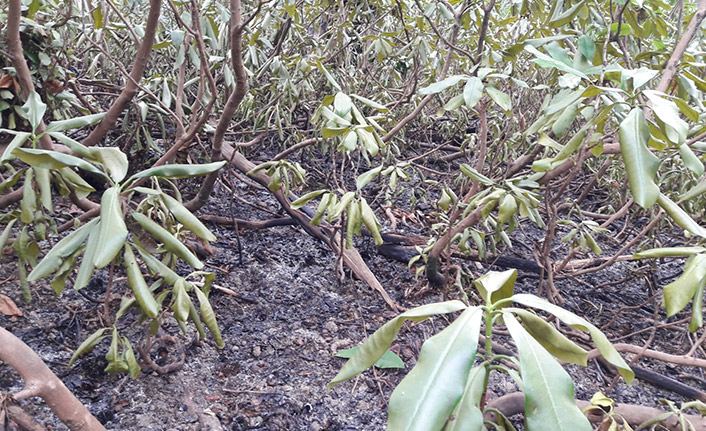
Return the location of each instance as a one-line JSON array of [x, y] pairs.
[[41, 382]]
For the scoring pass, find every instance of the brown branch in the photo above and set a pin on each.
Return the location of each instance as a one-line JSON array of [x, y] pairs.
[[41, 382], [686, 361], [131, 86], [14, 43], [670, 69], [241, 89], [351, 257]]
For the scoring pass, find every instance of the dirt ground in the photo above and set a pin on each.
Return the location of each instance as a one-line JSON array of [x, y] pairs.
[[290, 315]]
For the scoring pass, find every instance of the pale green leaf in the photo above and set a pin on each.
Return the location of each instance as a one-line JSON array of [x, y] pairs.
[[377, 344], [426, 397], [549, 391], [113, 231], [640, 164]]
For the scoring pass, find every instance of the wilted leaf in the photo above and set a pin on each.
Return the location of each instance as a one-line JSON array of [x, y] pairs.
[[8, 307]]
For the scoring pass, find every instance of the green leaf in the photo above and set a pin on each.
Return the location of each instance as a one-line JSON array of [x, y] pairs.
[[598, 337], [366, 177], [158, 268], [34, 110], [669, 252], [562, 17], [641, 165], [377, 344], [371, 103], [549, 391], [53, 160], [506, 209], [187, 218], [113, 160], [680, 292], [62, 250], [85, 270], [170, 242], [587, 47], [495, 286], [676, 129], [43, 178], [473, 174], [88, 344], [502, 99], [129, 355], [697, 309], [16, 142], [306, 198], [550, 338], [428, 394], [342, 104], [177, 171], [472, 91], [112, 232], [467, 416], [116, 363], [74, 123], [440, 86], [680, 216], [691, 160], [6, 234], [388, 360], [182, 302], [139, 287], [370, 221], [209, 317], [28, 205], [98, 17], [544, 60]]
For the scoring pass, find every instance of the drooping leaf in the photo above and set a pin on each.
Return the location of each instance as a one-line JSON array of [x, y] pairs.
[[472, 91], [426, 397], [388, 360], [61, 250], [88, 344], [177, 171], [640, 164], [113, 160], [681, 291], [209, 317], [306, 198], [377, 344], [34, 109], [549, 391], [139, 287], [53, 160], [681, 217], [599, 339], [187, 218], [17, 141], [501, 98], [112, 232], [170, 242], [440, 86], [74, 123], [494, 286], [550, 338], [676, 129], [669, 252], [467, 416], [181, 301]]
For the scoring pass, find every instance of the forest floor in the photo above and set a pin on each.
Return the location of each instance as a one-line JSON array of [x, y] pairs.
[[290, 314]]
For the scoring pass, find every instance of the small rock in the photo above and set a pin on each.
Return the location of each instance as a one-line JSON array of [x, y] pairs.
[[331, 327], [257, 351]]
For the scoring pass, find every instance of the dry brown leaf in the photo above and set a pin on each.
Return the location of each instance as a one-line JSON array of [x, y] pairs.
[[8, 307], [6, 81]]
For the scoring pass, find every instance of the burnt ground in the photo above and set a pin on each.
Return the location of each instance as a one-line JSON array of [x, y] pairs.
[[290, 315]]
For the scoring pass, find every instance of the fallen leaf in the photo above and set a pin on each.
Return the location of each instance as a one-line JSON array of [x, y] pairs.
[[8, 307], [6, 81]]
